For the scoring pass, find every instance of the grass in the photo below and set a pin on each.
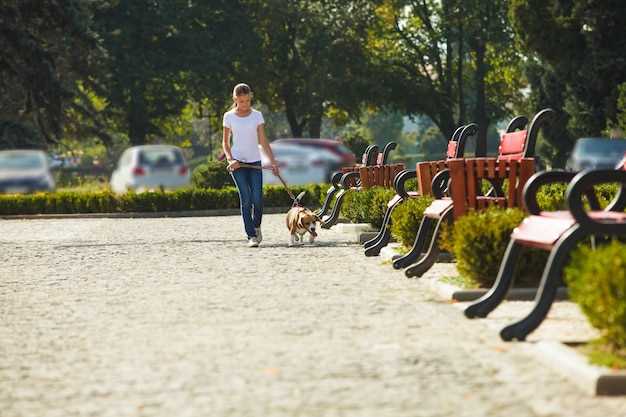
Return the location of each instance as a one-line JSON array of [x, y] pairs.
[[599, 353]]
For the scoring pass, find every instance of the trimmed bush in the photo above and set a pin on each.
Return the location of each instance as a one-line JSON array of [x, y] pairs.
[[597, 282], [108, 202], [479, 240], [212, 174], [406, 218], [367, 206]]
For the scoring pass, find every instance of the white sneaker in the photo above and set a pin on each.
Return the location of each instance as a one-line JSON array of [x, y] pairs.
[[259, 235], [253, 242]]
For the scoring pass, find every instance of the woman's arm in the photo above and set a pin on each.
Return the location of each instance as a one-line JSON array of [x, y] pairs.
[[266, 147], [232, 164]]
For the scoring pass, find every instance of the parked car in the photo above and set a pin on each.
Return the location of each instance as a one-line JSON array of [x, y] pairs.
[[299, 164], [334, 146], [150, 167], [596, 153], [24, 171]]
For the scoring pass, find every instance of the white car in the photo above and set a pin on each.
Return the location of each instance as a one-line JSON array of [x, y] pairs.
[[300, 164], [24, 171], [150, 167]]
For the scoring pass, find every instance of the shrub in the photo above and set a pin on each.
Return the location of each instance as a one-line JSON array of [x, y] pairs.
[[479, 240], [212, 174], [406, 218], [597, 282], [108, 202], [367, 206]]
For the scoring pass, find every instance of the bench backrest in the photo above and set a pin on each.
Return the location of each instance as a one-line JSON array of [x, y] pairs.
[[517, 142], [466, 176], [425, 171], [379, 175]]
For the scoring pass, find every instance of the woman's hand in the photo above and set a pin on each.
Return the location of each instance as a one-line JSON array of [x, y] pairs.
[[275, 169], [233, 165]]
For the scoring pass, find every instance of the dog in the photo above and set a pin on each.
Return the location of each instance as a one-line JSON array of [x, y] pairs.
[[301, 220]]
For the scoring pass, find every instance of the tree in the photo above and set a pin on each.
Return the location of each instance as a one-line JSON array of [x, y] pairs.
[[46, 47], [162, 53], [433, 54], [576, 49], [313, 59]]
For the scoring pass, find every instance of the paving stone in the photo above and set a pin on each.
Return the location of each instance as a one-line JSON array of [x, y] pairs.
[[178, 317]]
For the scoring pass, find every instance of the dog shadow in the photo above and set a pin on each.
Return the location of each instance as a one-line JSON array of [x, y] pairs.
[[304, 245]]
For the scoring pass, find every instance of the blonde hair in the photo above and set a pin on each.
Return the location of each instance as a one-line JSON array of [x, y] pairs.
[[241, 89]]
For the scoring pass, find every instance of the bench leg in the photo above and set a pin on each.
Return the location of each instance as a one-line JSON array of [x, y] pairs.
[[547, 289], [492, 299], [334, 214], [373, 246], [329, 198], [426, 262], [418, 245]]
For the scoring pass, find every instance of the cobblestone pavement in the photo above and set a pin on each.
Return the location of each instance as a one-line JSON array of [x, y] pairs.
[[177, 317]]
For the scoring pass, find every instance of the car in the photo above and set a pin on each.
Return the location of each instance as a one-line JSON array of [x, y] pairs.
[[150, 167], [25, 171], [299, 164], [347, 157], [596, 153]]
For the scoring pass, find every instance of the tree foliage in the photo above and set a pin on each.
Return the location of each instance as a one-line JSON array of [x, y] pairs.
[[45, 49]]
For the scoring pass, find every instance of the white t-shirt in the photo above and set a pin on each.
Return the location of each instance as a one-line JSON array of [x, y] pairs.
[[245, 138]]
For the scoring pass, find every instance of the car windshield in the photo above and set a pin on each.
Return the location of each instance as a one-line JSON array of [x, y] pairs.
[[19, 160], [602, 147], [288, 151], [160, 157]]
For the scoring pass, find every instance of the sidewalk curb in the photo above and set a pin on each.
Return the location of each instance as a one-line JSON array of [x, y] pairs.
[[453, 292], [139, 215], [357, 232], [595, 380]]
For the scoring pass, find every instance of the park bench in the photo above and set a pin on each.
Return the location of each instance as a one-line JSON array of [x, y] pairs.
[[557, 232], [455, 149], [514, 164], [361, 177], [370, 157]]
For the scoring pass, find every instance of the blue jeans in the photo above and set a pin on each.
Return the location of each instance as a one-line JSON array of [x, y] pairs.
[[249, 182]]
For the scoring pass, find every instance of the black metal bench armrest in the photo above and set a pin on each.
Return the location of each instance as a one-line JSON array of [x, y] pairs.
[[334, 180], [400, 179], [579, 187], [346, 178], [388, 148], [468, 130], [537, 181], [439, 184]]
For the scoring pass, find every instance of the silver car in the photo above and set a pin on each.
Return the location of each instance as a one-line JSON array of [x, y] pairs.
[[596, 153], [24, 171], [150, 167]]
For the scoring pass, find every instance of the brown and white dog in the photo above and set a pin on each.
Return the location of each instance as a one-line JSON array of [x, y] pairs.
[[300, 221]]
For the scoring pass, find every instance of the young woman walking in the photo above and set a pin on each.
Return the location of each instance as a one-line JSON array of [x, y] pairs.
[[246, 126]]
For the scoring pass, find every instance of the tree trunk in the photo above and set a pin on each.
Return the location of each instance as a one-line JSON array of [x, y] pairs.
[[459, 72], [137, 120], [481, 112], [315, 121]]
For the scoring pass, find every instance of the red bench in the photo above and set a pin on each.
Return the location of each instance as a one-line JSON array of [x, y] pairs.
[[466, 193], [557, 232], [455, 149]]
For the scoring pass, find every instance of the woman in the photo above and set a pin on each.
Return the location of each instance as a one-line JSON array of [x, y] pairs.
[[246, 126]]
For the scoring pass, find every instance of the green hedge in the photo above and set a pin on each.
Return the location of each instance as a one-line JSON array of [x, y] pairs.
[[406, 218], [182, 200], [367, 206], [212, 174], [597, 282], [479, 240]]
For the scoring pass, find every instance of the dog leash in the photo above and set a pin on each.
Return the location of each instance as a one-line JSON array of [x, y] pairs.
[[296, 200]]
